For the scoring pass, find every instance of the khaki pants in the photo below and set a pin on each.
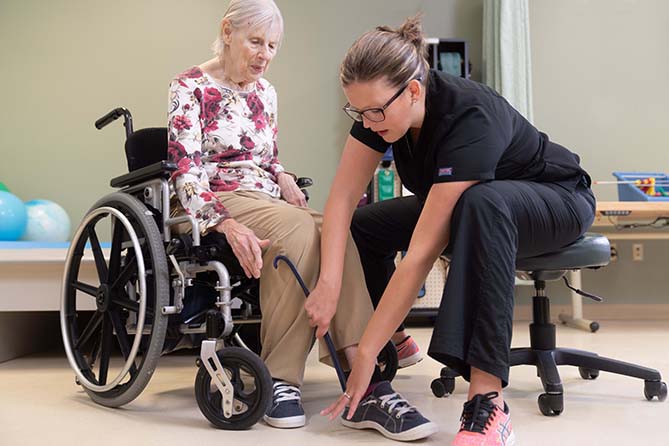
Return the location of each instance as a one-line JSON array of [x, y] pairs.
[[285, 333]]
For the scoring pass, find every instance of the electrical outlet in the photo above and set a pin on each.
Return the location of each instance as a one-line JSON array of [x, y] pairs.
[[614, 252], [637, 252]]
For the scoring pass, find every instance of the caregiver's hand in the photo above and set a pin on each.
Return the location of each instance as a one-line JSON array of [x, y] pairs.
[[321, 307], [356, 386]]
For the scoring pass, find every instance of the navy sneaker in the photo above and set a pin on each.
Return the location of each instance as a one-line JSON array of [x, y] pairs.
[[386, 411], [286, 410]]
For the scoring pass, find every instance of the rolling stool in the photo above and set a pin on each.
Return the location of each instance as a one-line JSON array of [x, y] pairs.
[[590, 251]]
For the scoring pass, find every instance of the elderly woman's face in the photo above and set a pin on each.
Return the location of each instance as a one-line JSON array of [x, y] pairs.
[[252, 50]]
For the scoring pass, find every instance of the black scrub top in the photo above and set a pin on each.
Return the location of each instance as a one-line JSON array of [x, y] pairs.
[[470, 132]]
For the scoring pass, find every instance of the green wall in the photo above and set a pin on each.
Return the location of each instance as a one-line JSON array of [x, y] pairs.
[[600, 73]]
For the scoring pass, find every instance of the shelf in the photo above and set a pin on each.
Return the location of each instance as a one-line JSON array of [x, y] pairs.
[[41, 252]]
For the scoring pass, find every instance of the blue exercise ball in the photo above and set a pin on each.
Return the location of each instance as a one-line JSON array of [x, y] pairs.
[[13, 216], [47, 222]]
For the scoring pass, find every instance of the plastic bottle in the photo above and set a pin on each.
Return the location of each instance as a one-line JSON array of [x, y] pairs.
[[386, 184]]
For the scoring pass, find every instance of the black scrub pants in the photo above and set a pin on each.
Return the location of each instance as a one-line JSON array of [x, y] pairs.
[[493, 224]]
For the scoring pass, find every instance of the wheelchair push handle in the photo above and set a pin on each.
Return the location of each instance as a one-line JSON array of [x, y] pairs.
[[326, 338], [113, 116]]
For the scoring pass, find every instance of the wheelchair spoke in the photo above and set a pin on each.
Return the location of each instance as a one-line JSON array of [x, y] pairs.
[[128, 270], [89, 330], [86, 288], [94, 355], [115, 254], [236, 379], [122, 337], [247, 398], [100, 263], [217, 400], [131, 305], [125, 302], [105, 350]]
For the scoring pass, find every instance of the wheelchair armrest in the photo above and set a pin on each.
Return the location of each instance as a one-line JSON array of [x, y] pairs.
[[161, 169], [304, 182]]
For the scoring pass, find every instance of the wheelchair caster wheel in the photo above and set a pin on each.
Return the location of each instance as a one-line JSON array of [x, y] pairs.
[[252, 390], [588, 373], [388, 361], [652, 389], [551, 404], [442, 387]]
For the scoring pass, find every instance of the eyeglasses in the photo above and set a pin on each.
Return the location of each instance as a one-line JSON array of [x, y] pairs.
[[374, 114]]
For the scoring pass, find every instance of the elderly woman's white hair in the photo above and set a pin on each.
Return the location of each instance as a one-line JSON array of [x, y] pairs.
[[249, 13]]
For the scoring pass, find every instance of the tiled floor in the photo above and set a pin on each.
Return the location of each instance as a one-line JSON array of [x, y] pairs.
[[40, 404]]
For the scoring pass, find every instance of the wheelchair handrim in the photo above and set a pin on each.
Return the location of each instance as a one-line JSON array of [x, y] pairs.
[[142, 301]]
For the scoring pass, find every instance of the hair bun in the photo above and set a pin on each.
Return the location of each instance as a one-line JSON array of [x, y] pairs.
[[398, 54], [412, 30]]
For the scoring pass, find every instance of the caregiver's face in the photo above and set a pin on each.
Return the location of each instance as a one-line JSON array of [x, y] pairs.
[[383, 108]]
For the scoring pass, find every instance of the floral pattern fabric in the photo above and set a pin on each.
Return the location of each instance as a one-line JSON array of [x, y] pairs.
[[221, 140]]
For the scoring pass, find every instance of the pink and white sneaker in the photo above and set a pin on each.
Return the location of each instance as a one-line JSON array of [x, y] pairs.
[[408, 353], [484, 423]]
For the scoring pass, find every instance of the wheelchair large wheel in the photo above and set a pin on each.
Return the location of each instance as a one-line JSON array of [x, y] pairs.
[[252, 390], [127, 293]]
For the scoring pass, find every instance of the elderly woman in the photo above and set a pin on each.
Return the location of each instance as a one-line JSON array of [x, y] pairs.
[[223, 137]]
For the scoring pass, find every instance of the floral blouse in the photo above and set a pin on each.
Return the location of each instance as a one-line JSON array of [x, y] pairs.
[[221, 140]]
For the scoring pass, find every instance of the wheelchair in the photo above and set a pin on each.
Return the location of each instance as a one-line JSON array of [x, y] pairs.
[[155, 289]]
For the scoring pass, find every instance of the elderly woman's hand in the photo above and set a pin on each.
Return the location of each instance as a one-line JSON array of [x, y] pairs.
[[245, 245], [289, 190]]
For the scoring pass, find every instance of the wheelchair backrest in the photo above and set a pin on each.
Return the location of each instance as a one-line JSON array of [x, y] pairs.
[[145, 147]]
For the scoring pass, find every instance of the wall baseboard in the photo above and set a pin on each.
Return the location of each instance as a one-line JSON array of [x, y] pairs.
[[637, 312]]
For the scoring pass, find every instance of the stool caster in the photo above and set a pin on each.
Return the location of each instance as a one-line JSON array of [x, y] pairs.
[[588, 373], [652, 389], [551, 404], [442, 387], [445, 384]]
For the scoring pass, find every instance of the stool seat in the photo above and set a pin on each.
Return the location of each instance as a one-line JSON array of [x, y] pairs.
[[589, 251]]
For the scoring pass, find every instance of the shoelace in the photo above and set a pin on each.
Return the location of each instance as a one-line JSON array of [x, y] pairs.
[[477, 412], [404, 344], [285, 392], [402, 347], [394, 402]]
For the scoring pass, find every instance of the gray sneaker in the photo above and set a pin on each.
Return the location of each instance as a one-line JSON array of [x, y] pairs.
[[286, 410], [386, 411]]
